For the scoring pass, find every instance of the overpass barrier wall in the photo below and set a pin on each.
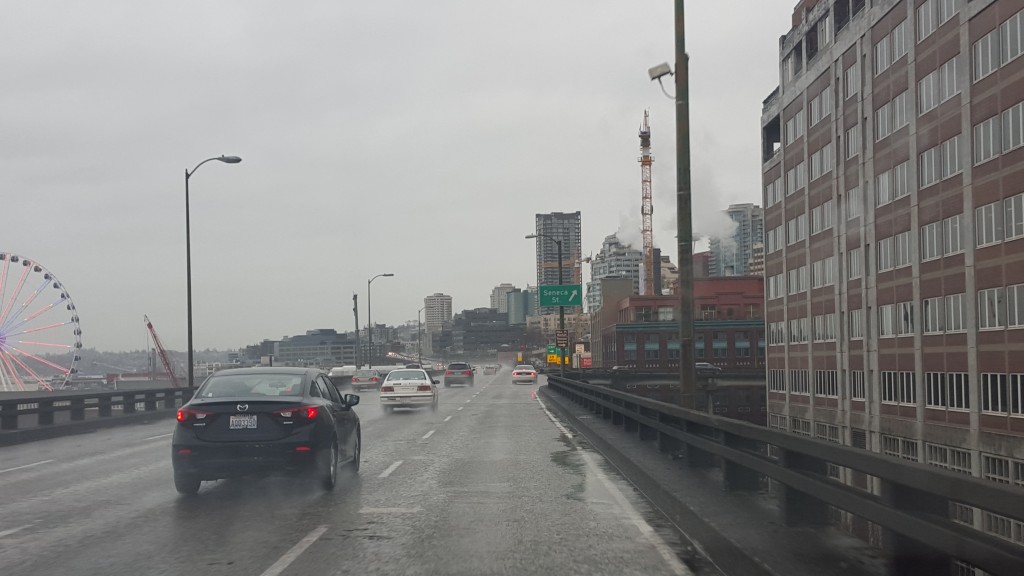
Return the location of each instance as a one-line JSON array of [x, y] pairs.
[[912, 508], [57, 410]]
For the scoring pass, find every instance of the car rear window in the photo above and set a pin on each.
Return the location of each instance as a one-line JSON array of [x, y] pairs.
[[523, 367], [232, 385], [458, 366], [407, 375], [365, 373]]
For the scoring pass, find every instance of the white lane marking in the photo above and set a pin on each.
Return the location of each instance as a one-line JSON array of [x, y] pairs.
[[448, 418], [14, 530], [284, 561], [390, 469], [428, 434], [159, 436], [468, 401], [26, 466], [460, 408], [625, 506]]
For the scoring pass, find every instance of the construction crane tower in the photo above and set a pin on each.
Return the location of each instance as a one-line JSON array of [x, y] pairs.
[[647, 206], [164, 358]]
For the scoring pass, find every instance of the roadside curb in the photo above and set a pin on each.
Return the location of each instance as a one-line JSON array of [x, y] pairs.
[[12, 437]]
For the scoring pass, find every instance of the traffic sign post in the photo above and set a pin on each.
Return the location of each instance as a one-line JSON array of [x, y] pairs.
[[561, 295]]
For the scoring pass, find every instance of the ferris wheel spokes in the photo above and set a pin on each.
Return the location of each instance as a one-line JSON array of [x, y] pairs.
[[31, 297], [30, 317], [11, 372], [36, 358], [42, 383], [14, 295]]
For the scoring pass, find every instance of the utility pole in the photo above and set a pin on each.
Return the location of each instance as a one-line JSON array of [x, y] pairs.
[[684, 223], [355, 311]]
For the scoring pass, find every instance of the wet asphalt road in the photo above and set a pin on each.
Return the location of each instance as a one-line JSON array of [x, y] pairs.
[[488, 484]]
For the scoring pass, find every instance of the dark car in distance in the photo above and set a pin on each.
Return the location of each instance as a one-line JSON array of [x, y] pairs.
[[265, 421], [459, 373]]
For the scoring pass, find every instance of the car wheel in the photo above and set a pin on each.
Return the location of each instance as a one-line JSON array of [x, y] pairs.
[[357, 452], [329, 468], [186, 485]]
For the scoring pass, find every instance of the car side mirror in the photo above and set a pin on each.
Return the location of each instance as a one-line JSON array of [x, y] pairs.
[[351, 399], [436, 381]]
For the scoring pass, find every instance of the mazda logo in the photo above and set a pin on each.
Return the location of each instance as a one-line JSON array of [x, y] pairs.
[[242, 407]]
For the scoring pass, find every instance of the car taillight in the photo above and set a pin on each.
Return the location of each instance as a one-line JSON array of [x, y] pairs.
[[190, 415], [468, 372], [533, 373], [447, 372], [374, 379], [298, 412], [423, 388], [387, 388]]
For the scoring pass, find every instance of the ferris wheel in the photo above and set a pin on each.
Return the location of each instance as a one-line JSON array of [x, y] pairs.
[[40, 337]]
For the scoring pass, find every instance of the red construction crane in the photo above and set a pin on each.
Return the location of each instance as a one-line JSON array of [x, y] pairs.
[[647, 208], [163, 353]]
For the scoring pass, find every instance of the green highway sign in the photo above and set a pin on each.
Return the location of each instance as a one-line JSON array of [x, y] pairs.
[[552, 349], [561, 295]]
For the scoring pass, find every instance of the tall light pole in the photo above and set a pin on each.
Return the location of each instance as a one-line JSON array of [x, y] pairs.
[[684, 215], [188, 259], [419, 338], [561, 309], [369, 318]]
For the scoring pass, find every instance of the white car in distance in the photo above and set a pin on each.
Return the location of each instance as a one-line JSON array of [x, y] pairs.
[[524, 373], [408, 388]]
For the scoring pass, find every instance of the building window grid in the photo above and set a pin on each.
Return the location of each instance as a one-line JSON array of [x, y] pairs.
[[905, 319], [1011, 38], [800, 426], [826, 384], [853, 141], [952, 235], [799, 382], [986, 55], [884, 254], [949, 458], [931, 241], [825, 328], [932, 312], [955, 313], [858, 390], [776, 380], [902, 249], [1013, 127], [987, 140], [904, 448], [991, 308], [854, 203], [1013, 212], [822, 216], [855, 267], [852, 83], [856, 324], [823, 272], [898, 388]]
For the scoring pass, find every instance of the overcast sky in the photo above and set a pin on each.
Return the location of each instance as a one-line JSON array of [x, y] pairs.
[[404, 136]]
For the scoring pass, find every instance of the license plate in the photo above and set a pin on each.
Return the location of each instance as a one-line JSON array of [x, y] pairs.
[[242, 421]]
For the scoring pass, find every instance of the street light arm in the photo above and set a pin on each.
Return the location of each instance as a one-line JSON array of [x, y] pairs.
[[222, 158]]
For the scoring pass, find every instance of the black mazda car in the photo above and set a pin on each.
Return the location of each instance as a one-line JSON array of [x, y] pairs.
[[265, 421]]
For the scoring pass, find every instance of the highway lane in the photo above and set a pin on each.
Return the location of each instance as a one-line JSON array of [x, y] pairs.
[[489, 484]]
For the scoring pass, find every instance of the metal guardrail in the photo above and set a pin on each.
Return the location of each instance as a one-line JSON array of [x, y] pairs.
[[46, 408], [915, 498]]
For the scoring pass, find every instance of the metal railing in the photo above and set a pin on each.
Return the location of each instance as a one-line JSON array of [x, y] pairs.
[[914, 500], [55, 408]]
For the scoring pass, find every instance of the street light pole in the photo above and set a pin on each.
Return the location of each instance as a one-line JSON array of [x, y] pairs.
[[369, 319], [188, 260], [684, 215], [561, 309], [419, 338]]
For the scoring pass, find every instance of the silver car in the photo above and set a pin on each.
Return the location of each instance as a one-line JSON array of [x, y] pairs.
[[524, 374]]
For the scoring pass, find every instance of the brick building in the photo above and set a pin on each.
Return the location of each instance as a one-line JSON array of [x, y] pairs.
[[893, 171]]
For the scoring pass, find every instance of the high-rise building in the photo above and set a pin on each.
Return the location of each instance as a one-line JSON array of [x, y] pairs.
[[437, 311], [498, 300], [566, 227], [892, 158], [614, 260], [520, 305], [756, 265], [730, 255]]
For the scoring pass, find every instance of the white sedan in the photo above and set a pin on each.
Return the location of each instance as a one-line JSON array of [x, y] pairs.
[[524, 373], [408, 388]]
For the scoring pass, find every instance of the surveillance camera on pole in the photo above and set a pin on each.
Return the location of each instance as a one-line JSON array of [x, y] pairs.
[[660, 71]]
